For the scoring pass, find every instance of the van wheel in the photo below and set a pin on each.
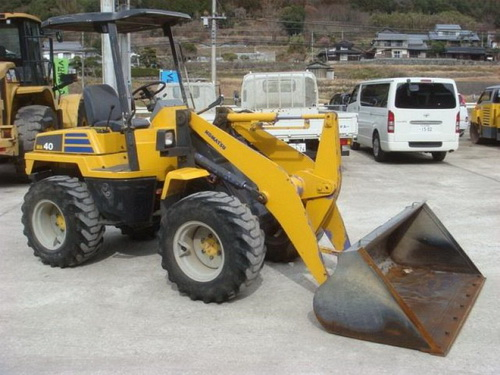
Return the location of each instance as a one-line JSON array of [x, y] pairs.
[[355, 146], [379, 154], [439, 155]]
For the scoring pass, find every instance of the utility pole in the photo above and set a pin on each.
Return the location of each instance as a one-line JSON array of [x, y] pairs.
[[124, 40], [108, 73], [107, 60], [83, 60], [213, 34], [312, 46]]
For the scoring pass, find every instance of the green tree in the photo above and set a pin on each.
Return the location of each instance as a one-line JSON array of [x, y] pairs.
[[437, 48], [229, 56], [189, 48], [148, 57], [296, 45], [292, 19], [383, 6], [76, 63], [93, 66]]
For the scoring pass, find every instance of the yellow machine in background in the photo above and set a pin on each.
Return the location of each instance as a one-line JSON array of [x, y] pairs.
[[28, 104], [225, 195], [485, 117]]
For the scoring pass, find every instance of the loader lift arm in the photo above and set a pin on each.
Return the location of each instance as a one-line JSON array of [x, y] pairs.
[[283, 174]]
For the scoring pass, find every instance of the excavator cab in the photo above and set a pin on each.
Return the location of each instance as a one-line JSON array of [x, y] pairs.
[[221, 193]]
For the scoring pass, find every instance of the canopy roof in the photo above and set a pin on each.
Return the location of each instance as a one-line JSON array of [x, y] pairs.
[[127, 21]]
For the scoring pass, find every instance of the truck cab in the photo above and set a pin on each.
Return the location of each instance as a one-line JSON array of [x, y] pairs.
[[291, 94]]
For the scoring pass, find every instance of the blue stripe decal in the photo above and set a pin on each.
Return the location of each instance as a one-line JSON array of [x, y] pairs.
[[74, 135], [76, 141], [85, 150]]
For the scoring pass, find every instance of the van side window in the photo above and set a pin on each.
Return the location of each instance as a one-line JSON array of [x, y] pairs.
[[354, 95], [375, 95], [426, 95]]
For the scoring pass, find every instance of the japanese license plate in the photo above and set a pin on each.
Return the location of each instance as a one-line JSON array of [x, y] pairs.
[[301, 147]]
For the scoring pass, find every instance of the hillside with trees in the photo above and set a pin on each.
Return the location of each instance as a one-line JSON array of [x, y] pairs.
[[294, 31], [296, 14]]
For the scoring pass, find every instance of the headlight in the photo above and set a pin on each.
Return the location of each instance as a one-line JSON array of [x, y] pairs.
[[165, 139], [169, 138]]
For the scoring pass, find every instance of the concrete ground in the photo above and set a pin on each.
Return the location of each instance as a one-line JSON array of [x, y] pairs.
[[118, 314]]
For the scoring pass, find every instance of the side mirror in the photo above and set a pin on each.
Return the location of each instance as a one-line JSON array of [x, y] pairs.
[[217, 102], [65, 80], [59, 36]]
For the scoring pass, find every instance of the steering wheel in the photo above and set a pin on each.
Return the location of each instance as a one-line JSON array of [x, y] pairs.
[[144, 91]]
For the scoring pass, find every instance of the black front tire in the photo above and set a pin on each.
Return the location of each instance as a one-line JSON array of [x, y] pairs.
[[438, 155], [378, 154], [61, 221], [211, 244]]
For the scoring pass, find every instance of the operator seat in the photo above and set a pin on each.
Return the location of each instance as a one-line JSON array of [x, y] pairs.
[[102, 108]]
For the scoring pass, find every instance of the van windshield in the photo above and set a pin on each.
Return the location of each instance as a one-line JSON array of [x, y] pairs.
[[425, 95]]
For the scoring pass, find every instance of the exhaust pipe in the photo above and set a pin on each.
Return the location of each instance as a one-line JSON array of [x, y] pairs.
[[408, 284]]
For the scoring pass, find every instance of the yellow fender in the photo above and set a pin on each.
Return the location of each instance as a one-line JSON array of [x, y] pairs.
[[175, 181], [68, 106]]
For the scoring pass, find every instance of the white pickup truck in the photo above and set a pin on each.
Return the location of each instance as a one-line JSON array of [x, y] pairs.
[[289, 94]]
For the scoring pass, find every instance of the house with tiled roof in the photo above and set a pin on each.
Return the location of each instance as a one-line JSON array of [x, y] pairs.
[[453, 35], [342, 51], [393, 44], [457, 43]]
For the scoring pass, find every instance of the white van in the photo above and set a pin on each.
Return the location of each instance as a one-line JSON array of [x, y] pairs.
[[407, 115]]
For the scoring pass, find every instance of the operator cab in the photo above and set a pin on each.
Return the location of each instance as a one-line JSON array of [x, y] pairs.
[[104, 105], [21, 44]]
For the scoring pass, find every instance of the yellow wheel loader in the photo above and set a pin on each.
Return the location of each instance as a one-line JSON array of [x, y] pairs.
[[222, 193], [28, 104]]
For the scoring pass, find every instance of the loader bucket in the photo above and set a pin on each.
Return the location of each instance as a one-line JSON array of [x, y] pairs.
[[408, 284]]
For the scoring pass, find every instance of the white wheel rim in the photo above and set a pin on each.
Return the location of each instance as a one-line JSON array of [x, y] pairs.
[[198, 251], [49, 225]]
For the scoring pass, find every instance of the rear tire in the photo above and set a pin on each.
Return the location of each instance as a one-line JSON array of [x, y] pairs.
[[211, 244], [61, 221], [378, 154], [30, 121], [279, 248], [355, 146], [475, 133], [438, 155]]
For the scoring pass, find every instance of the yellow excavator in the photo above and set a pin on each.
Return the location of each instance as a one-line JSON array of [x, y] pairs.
[[226, 195]]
